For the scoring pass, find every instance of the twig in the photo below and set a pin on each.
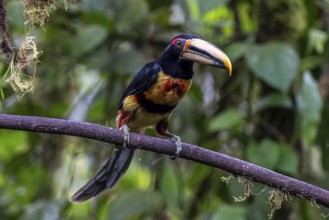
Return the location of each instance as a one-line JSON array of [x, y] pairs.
[[214, 159]]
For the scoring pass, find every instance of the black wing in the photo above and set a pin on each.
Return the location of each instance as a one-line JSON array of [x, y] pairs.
[[142, 81]]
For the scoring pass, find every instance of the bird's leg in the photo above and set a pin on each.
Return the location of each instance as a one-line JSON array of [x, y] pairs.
[[177, 141], [125, 130], [162, 129]]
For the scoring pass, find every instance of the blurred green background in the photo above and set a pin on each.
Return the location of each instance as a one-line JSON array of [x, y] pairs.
[[273, 111]]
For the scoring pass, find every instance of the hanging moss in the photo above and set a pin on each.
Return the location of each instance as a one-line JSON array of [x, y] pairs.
[[23, 72], [37, 11]]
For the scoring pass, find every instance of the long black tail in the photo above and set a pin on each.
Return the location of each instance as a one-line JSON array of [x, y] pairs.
[[107, 177]]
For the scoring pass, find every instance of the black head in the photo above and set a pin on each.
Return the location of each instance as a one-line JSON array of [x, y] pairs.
[[184, 49], [175, 48]]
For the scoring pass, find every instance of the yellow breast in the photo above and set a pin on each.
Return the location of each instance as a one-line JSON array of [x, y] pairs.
[[168, 90]]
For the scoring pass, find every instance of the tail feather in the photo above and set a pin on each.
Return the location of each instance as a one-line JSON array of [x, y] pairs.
[[107, 177]]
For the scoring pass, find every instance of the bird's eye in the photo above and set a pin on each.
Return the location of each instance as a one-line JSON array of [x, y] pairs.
[[179, 43]]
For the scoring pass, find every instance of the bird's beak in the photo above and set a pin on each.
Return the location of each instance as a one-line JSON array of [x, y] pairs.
[[205, 53]]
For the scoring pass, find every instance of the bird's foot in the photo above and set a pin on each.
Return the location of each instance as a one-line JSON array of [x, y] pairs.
[[126, 139], [178, 143]]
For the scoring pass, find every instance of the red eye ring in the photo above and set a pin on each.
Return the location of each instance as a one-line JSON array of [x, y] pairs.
[[178, 42]]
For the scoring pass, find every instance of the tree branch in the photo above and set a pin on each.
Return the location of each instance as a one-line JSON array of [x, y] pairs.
[[190, 152]]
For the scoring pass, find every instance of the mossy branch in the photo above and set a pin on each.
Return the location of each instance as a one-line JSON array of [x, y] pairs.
[[232, 165], [5, 46]]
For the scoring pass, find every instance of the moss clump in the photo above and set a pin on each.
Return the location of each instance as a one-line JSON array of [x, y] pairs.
[[36, 12], [23, 72], [276, 199]]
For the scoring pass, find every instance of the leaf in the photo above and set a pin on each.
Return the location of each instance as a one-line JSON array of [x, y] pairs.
[[87, 39], [274, 100], [218, 16], [126, 60], [236, 50], [5, 77], [274, 155], [132, 16], [288, 162], [274, 63], [136, 177], [265, 154], [194, 9], [207, 5], [12, 143], [311, 62], [104, 20], [316, 40], [226, 120], [310, 107], [134, 203], [247, 21], [169, 186], [228, 212]]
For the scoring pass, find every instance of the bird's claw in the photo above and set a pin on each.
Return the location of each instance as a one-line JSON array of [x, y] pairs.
[[126, 139], [178, 143]]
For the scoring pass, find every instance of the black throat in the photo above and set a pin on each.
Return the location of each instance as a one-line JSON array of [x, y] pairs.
[[176, 67]]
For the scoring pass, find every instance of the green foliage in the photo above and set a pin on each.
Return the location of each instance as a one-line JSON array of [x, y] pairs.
[[5, 75], [270, 112], [14, 11], [310, 108], [274, 100], [288, 162], [226, 120], [230, 212], [265, 154], [13, 143], [236, 50], [87, 38], [44, 210], [274, 156], [138, 203], [283, 20], [169, 186], [317, 41], [275, 63]]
